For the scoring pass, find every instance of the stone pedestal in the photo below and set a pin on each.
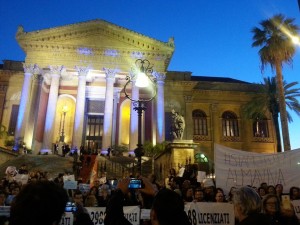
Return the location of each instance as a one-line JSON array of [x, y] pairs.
[[179, 153], [182, 152]]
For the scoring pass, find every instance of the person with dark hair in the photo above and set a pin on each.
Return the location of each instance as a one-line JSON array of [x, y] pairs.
[[230, 194], [175, 184], [3, 218], [167, 207], [276, 214], [294, 193], [279, 190], [81, 216], [23, 169], [262, 192], [220, 197], [188, 194], [59, 179], [2, 198], [41, 202], [271, 189], [199, 195], [264, 185], [247, 207]]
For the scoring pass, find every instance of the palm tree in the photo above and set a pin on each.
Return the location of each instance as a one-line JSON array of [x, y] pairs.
[[268, 101], [274, 38]]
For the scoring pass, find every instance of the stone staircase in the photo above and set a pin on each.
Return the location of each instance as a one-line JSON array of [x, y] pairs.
[[7, 154]]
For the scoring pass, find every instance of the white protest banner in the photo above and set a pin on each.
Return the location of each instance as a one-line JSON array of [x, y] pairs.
[[84, 188], [67, 219], [236, 168], [21, 178], [68, 177], [70, 184], [145, 214], [210, 213], [296, 204], [131, 213], [97, 214], [5, 211], [181, 172], [201, 175]]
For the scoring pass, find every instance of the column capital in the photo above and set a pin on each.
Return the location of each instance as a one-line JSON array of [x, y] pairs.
[[82, 71], [29, 68], [160, 77], [110, 73], [37, 70], [56, 69]]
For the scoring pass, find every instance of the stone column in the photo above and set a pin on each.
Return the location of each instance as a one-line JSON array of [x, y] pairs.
[[51, 109], [23, 113], [37, 85], [32, 108], [133, 139], [108, 109], [114, 126], [80, 106], [160, 107]]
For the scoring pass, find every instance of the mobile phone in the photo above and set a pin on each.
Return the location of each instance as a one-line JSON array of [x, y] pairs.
[[136, 184], [70, 207], [286, 201]]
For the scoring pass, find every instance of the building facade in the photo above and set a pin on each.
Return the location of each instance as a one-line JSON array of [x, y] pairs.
[[70, 90]]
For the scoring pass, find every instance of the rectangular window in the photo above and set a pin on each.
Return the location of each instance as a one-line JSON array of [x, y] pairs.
[[200, 127]]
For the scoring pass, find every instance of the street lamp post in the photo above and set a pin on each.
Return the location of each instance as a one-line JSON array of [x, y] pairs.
[[62, 119], [142, 79]]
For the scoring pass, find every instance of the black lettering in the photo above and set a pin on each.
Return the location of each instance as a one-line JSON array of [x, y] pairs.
[[65, 221], [132, 217], [189, 216], [216, 217], [221, 218], [101, 220], [92, 216]]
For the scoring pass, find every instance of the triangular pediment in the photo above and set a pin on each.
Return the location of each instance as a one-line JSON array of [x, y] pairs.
[[95, 33], [96, 42]]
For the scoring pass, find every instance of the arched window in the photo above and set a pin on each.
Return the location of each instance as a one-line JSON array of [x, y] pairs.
[[230, 124], [200, 122], [260, 125]]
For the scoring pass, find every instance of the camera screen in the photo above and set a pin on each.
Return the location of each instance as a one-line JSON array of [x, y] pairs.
[[135, 183], [70, 207]]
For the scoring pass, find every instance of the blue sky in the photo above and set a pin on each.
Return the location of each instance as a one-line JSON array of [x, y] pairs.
[[212, 38]]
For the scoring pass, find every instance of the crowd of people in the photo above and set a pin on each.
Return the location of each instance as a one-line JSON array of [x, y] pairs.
[[266, 201]]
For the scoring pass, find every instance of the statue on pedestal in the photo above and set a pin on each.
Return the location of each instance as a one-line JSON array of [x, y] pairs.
[[177, 125]]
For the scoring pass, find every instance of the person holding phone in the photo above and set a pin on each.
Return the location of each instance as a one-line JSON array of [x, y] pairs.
[[277, 214], [167, 207]]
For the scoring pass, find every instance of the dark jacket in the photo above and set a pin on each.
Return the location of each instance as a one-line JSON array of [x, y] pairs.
[[279, 219], [114, 210], [255, 219]]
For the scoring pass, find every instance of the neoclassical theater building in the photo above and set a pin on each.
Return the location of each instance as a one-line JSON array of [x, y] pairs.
[[70, 89]]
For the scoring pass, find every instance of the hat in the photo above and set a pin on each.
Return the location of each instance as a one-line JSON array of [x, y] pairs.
[[208, 182]]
